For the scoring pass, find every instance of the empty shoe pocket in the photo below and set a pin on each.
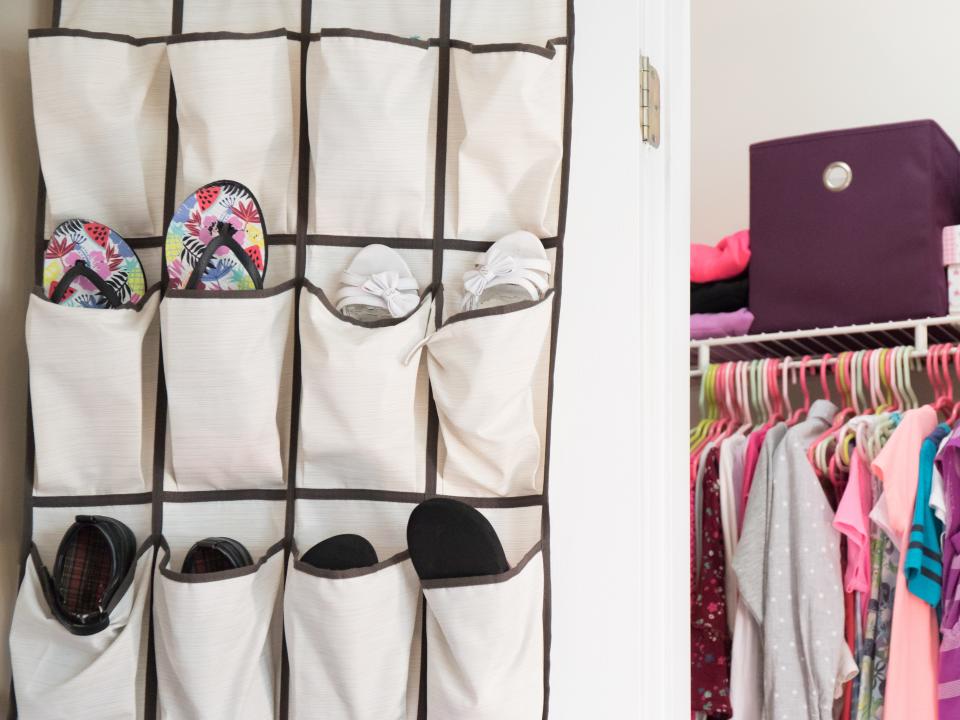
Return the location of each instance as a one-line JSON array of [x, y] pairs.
[[224, 355], [244, 130], [217, 639], [91, 426], [485, 644], [507, 113], [488, 372], [351, 638], [58, 674], [370, 105], [100, 107], [358, 423]]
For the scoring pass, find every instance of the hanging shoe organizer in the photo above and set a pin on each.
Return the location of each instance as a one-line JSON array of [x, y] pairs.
[[434, 127]]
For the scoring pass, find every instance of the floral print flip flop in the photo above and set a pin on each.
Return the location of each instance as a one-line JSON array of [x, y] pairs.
[[87, 264], [217, 240]]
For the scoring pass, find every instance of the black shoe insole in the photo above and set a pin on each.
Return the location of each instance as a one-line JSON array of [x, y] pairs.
[[341, 552], [448, 539], [215, 554]]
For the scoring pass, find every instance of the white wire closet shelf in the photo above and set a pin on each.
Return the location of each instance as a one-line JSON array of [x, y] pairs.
[[820, 341]]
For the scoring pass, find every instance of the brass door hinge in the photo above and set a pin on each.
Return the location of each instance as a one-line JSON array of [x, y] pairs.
[[649, 102]]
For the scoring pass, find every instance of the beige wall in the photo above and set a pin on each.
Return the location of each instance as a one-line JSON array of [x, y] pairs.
[[18, 190], [765, 69]]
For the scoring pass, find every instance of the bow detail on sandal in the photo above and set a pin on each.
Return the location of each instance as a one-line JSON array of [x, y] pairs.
[[516, 264], [495, 265], [388, 287]]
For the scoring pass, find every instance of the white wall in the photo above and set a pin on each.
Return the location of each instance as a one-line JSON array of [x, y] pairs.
[[18, 193], [763, 70], [595, 472]]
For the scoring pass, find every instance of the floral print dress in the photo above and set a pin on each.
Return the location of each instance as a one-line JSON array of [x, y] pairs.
[[884, 560], [709, 637]]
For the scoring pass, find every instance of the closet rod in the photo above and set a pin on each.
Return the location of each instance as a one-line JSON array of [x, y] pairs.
[[794, 363], [771, 344]]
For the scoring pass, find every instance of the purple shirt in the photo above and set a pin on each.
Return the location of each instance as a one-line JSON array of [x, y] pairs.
[[714, 325], [949, 672]]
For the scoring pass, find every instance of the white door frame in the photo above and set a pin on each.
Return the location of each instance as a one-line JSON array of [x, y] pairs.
[[664, 493]]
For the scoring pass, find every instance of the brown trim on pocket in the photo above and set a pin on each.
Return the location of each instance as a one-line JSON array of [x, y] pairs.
[[93, 35], [226, 35], [196, 496], [480, 246], [181, 577], [498, 309], [485, 579], [361, 241], [234, 294], [548, 50], [370, 35], [82, 501], [386, 322], [359, 495], [145, 243], [303, 567]]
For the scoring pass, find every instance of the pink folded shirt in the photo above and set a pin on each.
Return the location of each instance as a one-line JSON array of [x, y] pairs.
[[727, 259], [714, 325]]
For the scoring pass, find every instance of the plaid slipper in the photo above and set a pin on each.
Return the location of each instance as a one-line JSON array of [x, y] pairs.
[[217, 240], [449, 539], [214, 554], [93, 558], [86, 264]]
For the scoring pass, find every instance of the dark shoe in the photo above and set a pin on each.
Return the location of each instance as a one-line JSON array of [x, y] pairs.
[[214, 554], [448, 539], [94, 557], [341, 552]]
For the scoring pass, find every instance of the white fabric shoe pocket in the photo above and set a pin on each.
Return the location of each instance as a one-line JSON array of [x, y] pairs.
[[92, 373], [217, 640], [359, 405], [94, 677], [506, 137], [485, 644], [370, 111], [242, 125], [488, 372], [226, 357], [351, 639], [100, 107]]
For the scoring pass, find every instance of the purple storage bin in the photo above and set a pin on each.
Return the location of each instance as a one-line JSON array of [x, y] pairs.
[[846, 226]]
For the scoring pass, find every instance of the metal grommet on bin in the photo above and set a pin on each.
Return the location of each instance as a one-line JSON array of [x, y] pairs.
[[837, 176]]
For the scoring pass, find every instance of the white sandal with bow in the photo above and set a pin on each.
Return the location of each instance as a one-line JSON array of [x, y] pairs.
[[515, 268], [377, 285]]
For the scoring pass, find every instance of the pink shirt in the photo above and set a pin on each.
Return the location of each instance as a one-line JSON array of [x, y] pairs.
[[911, 691], [853, 521], [752, 454]]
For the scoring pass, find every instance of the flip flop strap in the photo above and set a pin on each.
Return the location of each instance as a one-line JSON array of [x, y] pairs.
[[201, 267], [81, 269]]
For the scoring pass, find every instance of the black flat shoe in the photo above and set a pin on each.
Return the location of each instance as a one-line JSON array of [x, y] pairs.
[[341, 552], [94, 557], [448, 539]]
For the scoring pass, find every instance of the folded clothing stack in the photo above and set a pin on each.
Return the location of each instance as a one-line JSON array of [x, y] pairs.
[[719, 288]]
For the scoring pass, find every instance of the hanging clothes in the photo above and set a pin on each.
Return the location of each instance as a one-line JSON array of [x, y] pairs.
[[911, 687], [732, 452], [875, 652], [949, 655], [791, 581], [746, 662], [709, 636]]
